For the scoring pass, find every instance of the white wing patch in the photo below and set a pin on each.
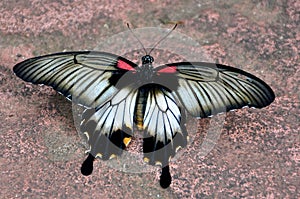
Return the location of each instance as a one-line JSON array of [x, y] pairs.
[[162, 115], [111, 117]]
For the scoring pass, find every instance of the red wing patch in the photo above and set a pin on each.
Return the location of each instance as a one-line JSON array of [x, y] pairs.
[[123, 65], [169, 69]]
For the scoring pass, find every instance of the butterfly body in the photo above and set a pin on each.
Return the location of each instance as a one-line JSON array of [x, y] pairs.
[[140, 106]]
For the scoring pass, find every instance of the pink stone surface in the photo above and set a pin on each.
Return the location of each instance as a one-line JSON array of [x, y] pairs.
[[257, 154]]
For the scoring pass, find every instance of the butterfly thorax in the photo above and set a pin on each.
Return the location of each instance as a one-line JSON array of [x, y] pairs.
[[145, 73]]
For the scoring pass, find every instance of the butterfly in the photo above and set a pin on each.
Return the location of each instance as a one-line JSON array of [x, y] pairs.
[[121, 97]]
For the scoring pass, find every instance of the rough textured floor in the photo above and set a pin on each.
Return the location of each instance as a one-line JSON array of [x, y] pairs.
[[257, 154]]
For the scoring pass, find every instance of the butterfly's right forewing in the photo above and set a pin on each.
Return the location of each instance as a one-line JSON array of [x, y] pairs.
[[206, 89]]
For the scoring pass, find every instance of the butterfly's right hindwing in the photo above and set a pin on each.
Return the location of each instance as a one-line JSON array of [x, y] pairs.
[[163, 125]]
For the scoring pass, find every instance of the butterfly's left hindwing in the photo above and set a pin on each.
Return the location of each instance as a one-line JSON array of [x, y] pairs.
[[86, 77], [109, 127]]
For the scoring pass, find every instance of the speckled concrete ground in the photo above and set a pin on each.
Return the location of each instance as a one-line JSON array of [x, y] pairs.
[[257, 154]]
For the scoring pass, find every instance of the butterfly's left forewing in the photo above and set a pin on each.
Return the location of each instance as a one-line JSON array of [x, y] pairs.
[[86, 77]]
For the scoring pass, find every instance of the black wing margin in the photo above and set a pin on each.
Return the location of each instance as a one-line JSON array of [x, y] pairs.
[[206, 89], [85, 76]]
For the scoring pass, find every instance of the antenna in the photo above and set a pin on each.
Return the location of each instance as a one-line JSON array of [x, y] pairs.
[[156, 42], [137, 38], [163, 38]]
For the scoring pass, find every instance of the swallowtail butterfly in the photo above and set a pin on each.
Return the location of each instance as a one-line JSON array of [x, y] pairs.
[[121, 97]]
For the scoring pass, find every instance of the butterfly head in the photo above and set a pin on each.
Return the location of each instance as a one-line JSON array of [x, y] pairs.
[[147, 59]]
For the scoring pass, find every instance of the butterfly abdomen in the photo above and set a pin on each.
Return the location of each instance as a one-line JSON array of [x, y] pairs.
[[140, 107]]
